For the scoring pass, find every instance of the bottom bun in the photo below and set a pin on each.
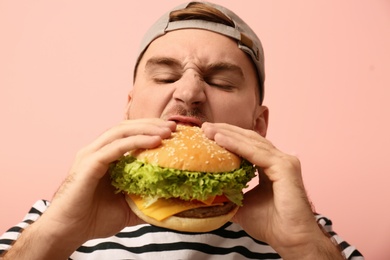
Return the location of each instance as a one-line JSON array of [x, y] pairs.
[[184, 224]]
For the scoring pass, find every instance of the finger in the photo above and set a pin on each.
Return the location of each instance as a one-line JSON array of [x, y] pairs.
[[257, 150], [128, 128], [261, 153], [114, 150], [117, 148], [243, 142], [211, 129]]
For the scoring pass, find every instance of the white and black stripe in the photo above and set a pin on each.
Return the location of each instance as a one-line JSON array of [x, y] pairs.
[[149, 242]]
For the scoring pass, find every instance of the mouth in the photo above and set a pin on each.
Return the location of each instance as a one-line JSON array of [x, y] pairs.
[[186, 120]]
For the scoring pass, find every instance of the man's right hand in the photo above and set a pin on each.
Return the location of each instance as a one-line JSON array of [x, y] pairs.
[[86, 205]]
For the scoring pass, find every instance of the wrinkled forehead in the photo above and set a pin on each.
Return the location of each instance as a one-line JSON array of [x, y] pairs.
[[190, 43], [199, 49]]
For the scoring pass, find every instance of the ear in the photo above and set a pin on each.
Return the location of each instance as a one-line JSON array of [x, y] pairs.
[[261, 120], [128, 106]]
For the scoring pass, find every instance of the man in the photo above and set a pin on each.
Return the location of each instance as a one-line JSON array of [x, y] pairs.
[[198, 65]]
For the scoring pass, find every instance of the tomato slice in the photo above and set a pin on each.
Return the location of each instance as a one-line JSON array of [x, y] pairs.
[[215, 200], [220, 199]]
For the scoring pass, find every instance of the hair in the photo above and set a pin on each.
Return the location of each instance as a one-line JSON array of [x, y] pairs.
[[199, 11]]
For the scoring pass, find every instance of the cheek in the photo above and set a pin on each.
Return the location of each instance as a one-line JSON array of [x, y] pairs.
[[234, 111], [146, 104]]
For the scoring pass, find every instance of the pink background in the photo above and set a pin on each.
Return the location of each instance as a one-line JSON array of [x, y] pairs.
[[66, 68]]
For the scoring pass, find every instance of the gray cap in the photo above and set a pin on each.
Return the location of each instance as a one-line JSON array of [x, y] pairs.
[[245, 36]]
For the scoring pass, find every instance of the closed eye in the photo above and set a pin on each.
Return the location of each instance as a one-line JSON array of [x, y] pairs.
[[164, 80], [222, 86], [164, 76], [225, 76], [221, 83]]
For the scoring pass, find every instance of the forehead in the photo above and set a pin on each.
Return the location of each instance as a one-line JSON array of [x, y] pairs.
[[200, 46]]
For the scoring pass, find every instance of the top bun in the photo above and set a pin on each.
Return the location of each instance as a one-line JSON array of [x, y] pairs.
[[189, 149]]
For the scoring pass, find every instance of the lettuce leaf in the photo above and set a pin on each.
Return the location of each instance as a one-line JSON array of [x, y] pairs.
[[137, 177]]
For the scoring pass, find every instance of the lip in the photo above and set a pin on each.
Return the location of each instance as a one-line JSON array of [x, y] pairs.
[[185, 120]]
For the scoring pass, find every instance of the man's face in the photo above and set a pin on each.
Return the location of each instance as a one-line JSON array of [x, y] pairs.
[[192, 76]]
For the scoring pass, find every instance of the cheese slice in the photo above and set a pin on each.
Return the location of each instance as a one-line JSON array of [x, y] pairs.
[[164, 208]]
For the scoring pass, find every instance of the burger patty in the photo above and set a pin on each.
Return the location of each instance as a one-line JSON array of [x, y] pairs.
[[207, 212]]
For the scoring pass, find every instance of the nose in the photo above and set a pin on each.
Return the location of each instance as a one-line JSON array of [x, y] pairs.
[[190, 89]]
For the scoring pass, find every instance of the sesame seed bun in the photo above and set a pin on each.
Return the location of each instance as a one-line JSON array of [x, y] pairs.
[[189, 149]]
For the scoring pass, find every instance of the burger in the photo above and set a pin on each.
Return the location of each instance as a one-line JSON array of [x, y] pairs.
[[189, 183]]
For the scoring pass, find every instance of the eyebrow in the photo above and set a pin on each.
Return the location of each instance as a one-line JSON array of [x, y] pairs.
[[224, 67], [162, 61], [209, 69]]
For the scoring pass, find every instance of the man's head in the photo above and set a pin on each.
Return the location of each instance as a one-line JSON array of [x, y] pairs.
[[211, 17], [200, 62]]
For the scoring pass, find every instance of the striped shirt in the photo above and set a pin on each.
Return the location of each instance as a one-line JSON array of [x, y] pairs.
[[150, 242]]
